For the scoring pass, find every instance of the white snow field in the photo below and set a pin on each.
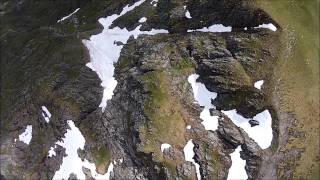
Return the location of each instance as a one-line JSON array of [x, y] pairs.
[[104, 52], [262, 134]]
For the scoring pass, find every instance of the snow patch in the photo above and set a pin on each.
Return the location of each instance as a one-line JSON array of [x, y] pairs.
[[52, 152], [258, 84], [189, 127], [267, 26], [214, 28], [237, 170], [209, 122], [72, 163], [189, 154], [110, 169], [164, 146], [66, 17], [96, 175], [26, 136], [187, 13], [203, 97], [46, 114], [104, 52], [262, 134], [201, 94], [154, 2], [142, 20]]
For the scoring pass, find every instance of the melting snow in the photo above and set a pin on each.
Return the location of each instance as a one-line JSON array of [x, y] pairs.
[[189, 154], [110, 169], [104, 52], [262, 134], [187, 14], [72, 163], [268, 26], [222, 28], [89, 65], [258, 84], [142, 20], [66, 17], [96, 175], [26, 136], [201, 94], [209, 122], [164, 146], [52, 152], [237, 170], [46, 114], [214, 28], [203, 97]]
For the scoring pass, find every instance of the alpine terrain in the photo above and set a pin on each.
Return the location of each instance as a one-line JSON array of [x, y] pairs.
[[159, 89]]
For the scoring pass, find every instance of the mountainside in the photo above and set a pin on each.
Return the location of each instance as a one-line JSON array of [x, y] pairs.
[[159, 89]]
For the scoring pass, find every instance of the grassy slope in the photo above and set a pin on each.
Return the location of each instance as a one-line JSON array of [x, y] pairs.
[[298, 73]]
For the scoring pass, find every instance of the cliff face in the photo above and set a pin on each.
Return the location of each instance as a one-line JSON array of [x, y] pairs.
[[43, 65]]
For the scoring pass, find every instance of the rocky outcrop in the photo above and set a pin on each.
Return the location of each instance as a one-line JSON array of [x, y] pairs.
[[235, 136], [151, 76]]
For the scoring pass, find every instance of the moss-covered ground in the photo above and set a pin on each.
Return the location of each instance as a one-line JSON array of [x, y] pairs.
[[167, 121], [167, 116]]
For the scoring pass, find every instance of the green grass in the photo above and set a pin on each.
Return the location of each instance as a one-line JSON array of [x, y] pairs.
[[102, 158], [166, 116], [298, 72], [183, 65]]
